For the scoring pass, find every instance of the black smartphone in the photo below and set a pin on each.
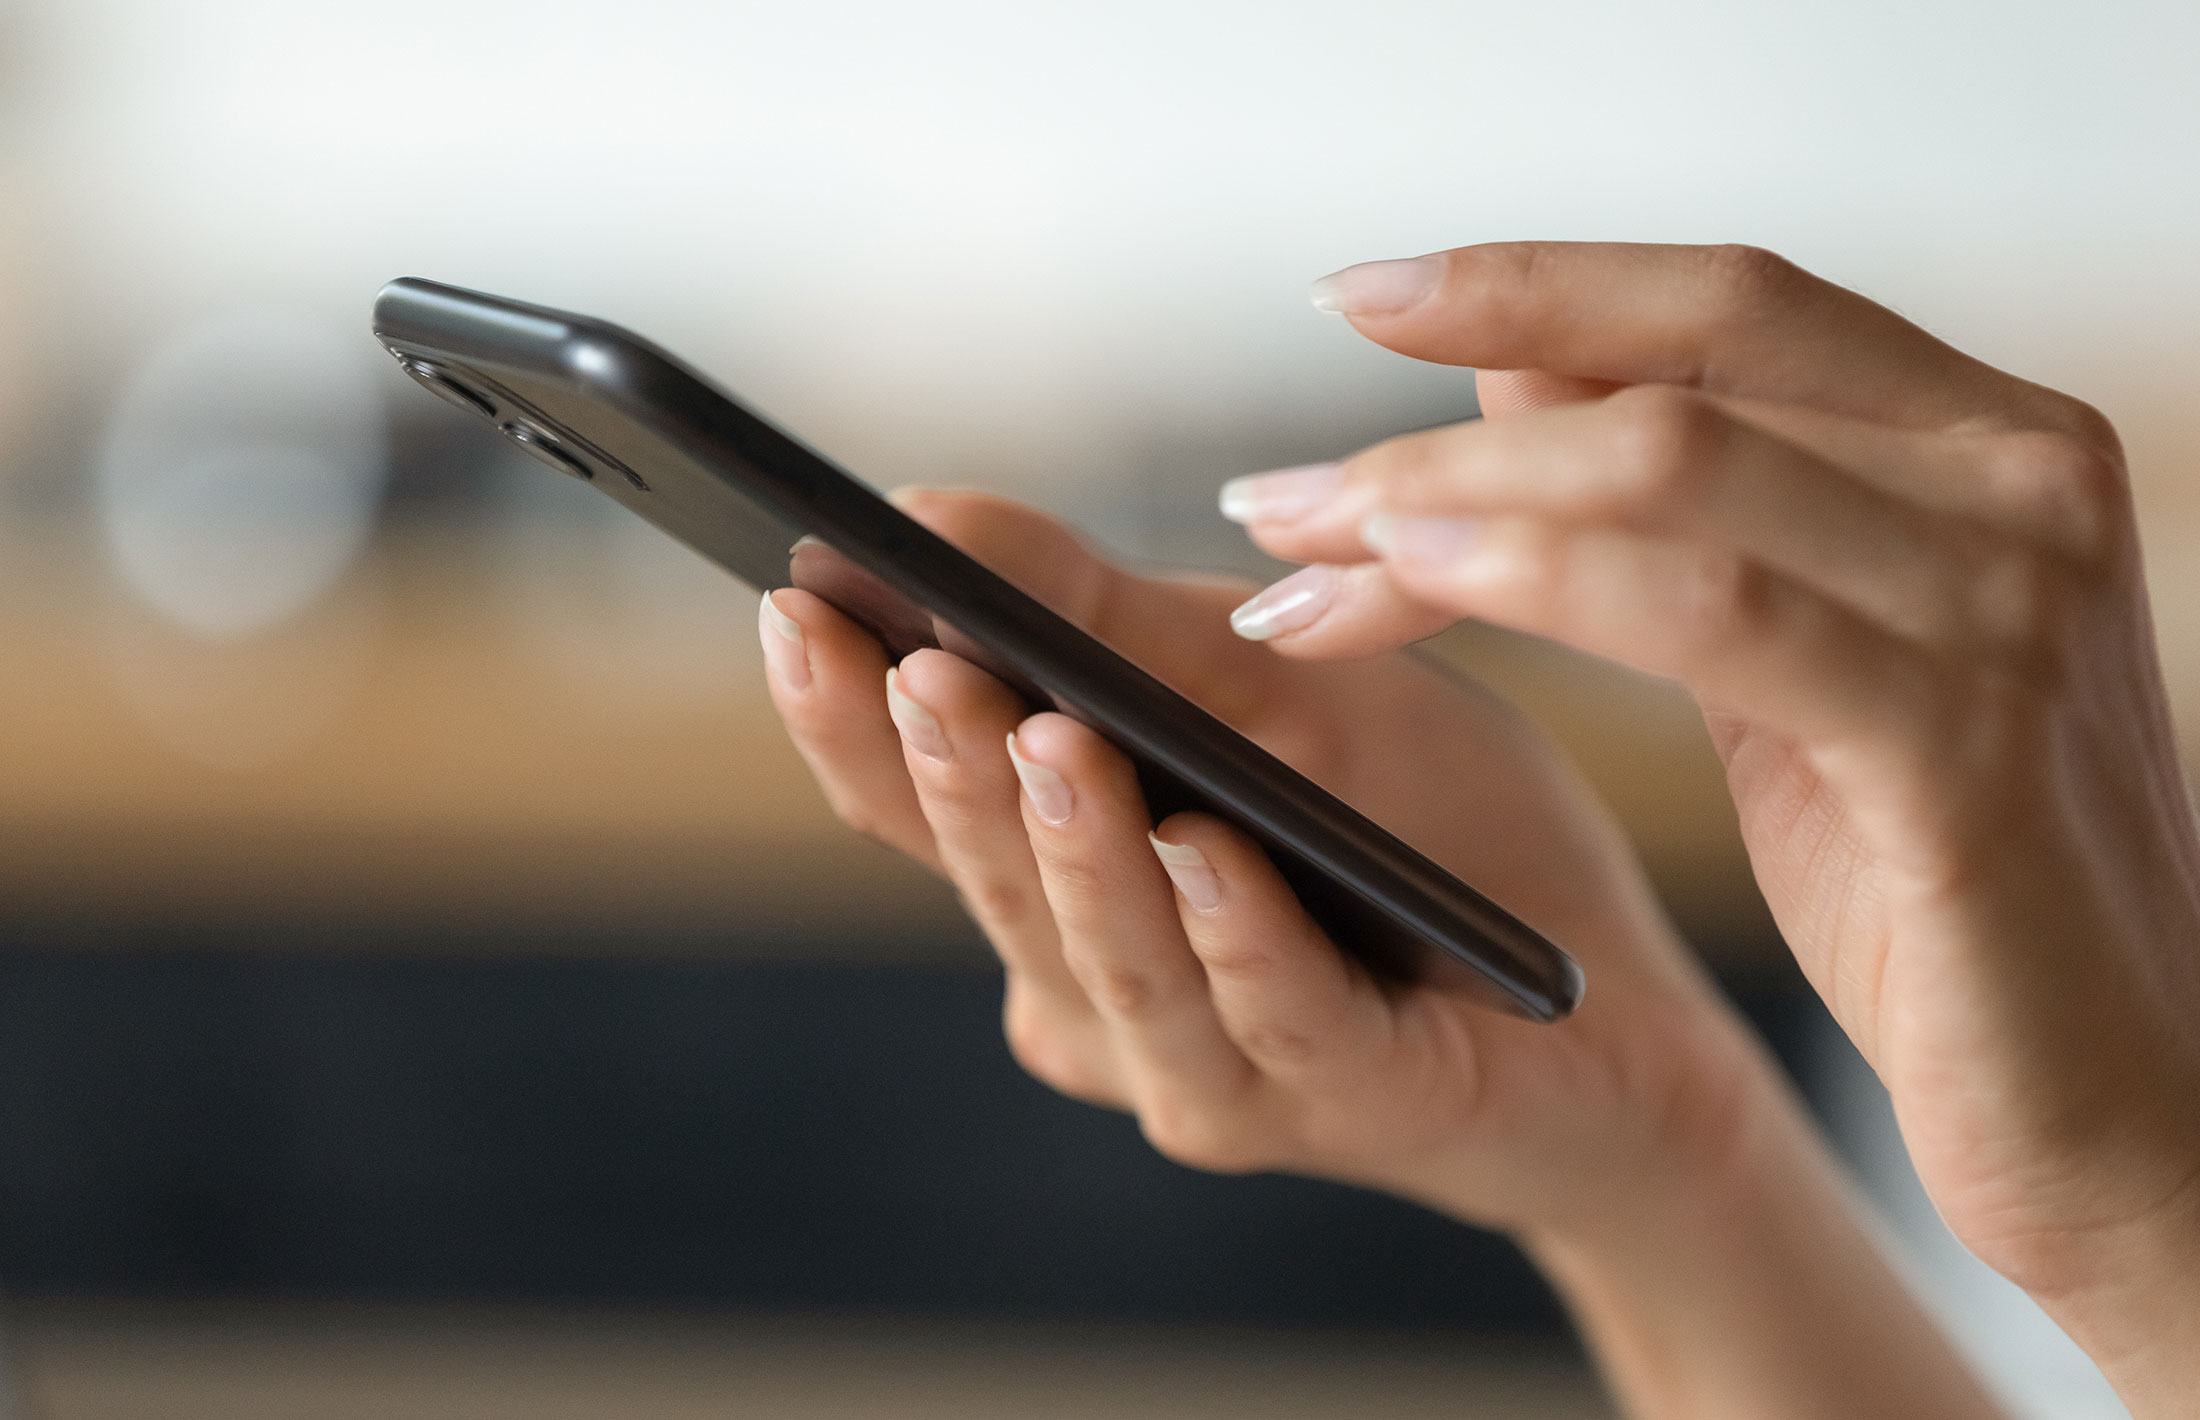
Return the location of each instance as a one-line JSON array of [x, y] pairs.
[[597, 403]]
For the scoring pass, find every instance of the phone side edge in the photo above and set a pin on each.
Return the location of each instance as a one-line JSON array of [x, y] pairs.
[[652, 385]]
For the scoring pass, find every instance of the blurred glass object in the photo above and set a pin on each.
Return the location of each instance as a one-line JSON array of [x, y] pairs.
[[237, 703], [242, 470]]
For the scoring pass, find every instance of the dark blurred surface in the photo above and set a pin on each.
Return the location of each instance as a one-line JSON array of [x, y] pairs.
[[180, 1119]]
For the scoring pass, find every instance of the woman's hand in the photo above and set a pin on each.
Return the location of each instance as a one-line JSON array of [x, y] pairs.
[[1642, 1147], [1214, 1009], [1905, 588]]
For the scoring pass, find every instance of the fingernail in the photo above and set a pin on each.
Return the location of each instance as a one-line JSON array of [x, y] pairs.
[[919, 727], [1292, 604], [1285, 493], [783, 644], [1404, 538], [1048, 791], [1377, 287], [1189, 869]]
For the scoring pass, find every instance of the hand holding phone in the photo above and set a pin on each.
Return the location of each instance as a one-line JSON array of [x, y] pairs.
[[1188, 985], [597, 403]]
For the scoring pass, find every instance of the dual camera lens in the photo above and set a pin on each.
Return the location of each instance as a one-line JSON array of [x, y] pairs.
[[439, 383], [543, 449], [542, 446]]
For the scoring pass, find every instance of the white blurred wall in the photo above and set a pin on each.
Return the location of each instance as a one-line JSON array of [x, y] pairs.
[[1032, 228]]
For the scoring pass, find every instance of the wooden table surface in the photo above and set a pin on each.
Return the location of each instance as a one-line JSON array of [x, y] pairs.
[[442, 744], [181, 1363]]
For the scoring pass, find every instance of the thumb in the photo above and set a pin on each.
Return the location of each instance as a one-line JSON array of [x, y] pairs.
[[1177, 629], [1044, 557]]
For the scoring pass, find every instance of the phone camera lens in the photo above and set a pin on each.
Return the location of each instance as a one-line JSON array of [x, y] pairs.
[[439, 382], [545, 450]]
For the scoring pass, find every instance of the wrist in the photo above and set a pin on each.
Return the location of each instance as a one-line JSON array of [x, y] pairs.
[[1748, 1282], [1691, 1107], [2105, 1236], [2137, 1314], [1741, 1146]]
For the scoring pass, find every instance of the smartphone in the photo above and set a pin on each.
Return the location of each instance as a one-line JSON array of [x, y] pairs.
[[597, 403]]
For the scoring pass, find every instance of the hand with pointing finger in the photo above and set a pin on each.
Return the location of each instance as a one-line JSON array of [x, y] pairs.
[[1905, 588]]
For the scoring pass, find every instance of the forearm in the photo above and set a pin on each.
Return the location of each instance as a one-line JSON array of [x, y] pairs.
[[1754, 1290]]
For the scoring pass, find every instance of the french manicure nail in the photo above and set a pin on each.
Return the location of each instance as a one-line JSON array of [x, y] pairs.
[[1292, 604], [1193, 875], [1048, 791], [919, 727], [1376, 288], [784, 648], [1431, 541], [1285, 493]]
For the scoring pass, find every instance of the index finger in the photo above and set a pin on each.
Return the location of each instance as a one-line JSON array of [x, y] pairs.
[[1733, 320]]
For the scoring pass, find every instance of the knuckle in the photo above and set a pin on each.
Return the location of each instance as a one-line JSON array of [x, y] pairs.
[[2042, 460], [1121, 989], [2080, 489], [859, 813], [1044, 1051], [991, 898], [1493, 283], [951, 812], [1027, 1030], [2089, 427], [1746, 279], [1404, 464], [1531, 565], [1333, 1132], [1072, 875], [1236, 956], [1199, 1136], [1032, 1039], [1724, 601], [1666, 440], [1277, 1044]]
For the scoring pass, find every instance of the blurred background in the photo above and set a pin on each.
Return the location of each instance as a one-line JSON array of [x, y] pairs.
[[431, 986]]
